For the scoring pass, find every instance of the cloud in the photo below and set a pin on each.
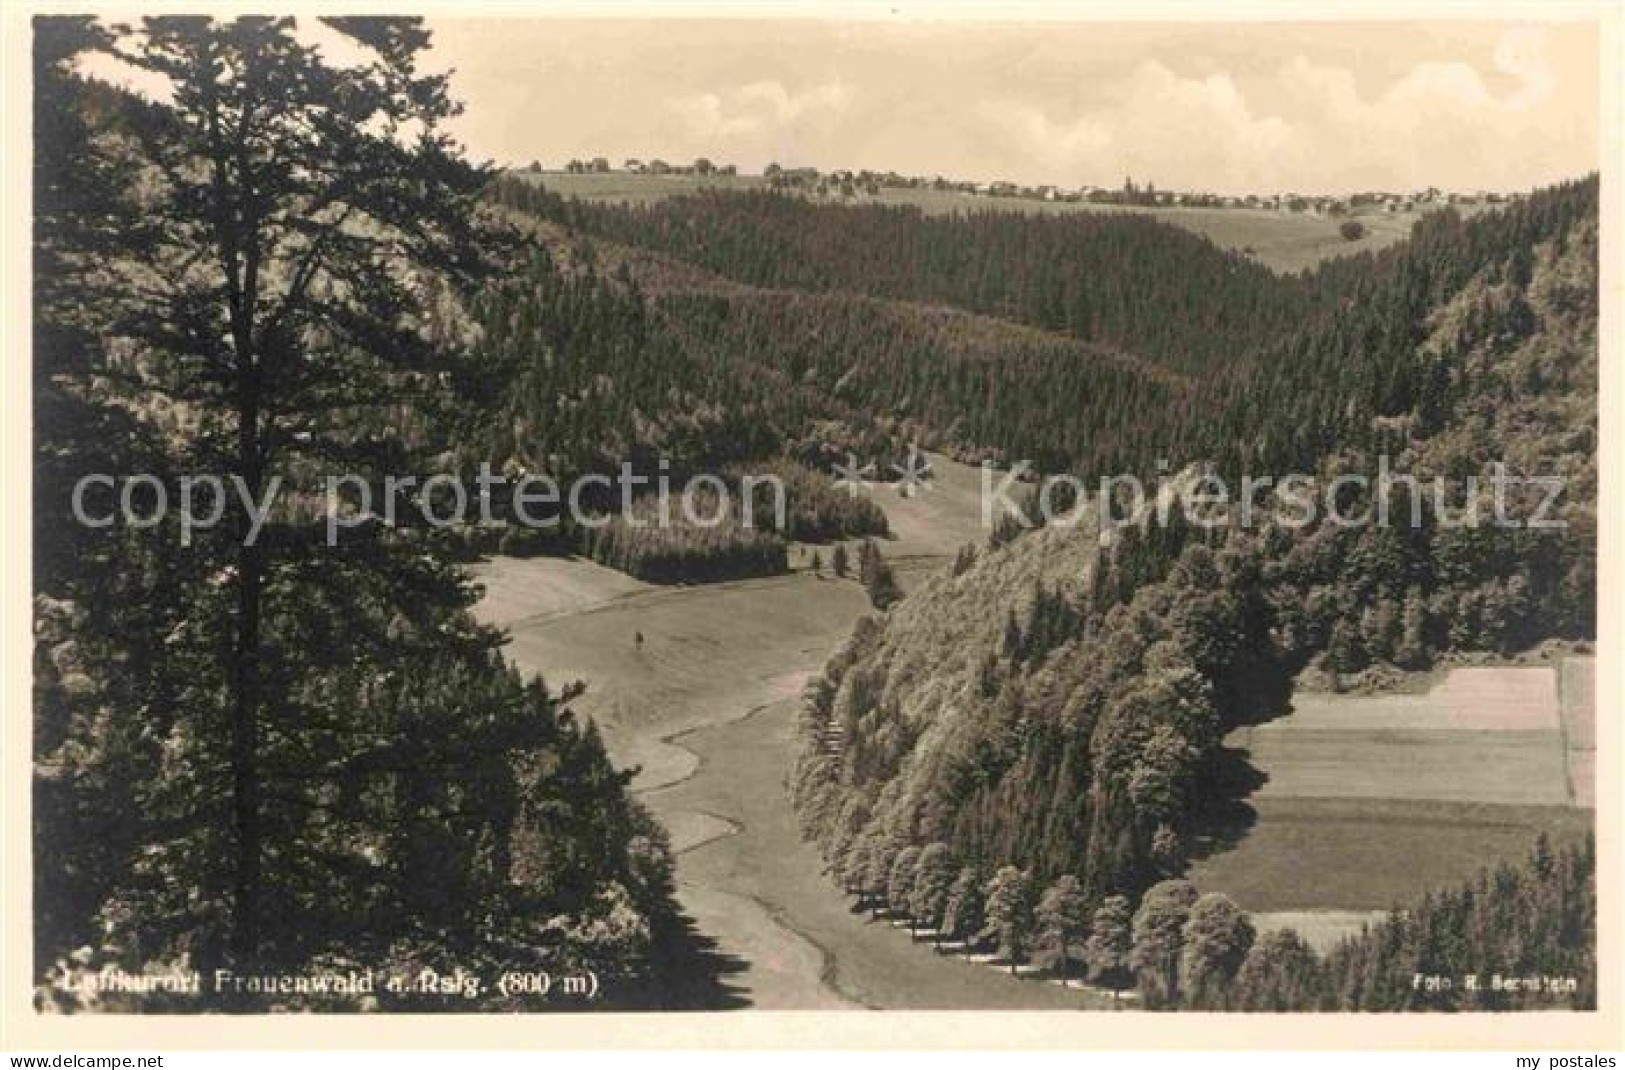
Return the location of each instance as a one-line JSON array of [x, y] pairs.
[[1306, 125], [1153, 122], [758, 108]]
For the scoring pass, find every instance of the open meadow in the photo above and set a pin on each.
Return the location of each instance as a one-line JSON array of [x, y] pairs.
[[925, 526], [704, 707]]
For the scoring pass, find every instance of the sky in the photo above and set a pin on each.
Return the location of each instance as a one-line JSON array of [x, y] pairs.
[[1258, 107], [1220, 107]]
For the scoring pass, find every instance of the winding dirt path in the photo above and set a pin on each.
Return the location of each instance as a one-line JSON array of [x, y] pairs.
[[710, 656]]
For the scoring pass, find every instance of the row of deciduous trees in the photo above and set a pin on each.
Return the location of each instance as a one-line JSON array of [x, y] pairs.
[[1185, 950]]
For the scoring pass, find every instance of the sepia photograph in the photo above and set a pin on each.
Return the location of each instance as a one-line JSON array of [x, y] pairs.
[[540, 515]]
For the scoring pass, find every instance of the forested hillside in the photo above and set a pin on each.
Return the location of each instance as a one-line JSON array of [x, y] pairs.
[[1190, 352], [976, 387], [1126, 280], [863, 368], [1056, 708], [1374, 377]]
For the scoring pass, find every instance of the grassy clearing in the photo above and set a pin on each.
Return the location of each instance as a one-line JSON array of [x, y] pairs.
[[1309, 854], [517, 588], [925, 526], [937, 520], [709, 652], [1320, 929]]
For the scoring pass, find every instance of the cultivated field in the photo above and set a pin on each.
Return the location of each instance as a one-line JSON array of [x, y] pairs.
[[1369, 801], [1285, 241], [1508, 768], [1309, 854]]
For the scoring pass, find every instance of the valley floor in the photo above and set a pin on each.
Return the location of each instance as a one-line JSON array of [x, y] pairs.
[[1360, 803], [705, 706]]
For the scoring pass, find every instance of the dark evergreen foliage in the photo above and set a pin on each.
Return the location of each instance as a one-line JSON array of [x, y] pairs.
[[271, 754]]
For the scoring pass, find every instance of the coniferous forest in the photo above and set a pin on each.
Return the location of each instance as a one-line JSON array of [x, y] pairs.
[[260, 750], [262, 753]]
